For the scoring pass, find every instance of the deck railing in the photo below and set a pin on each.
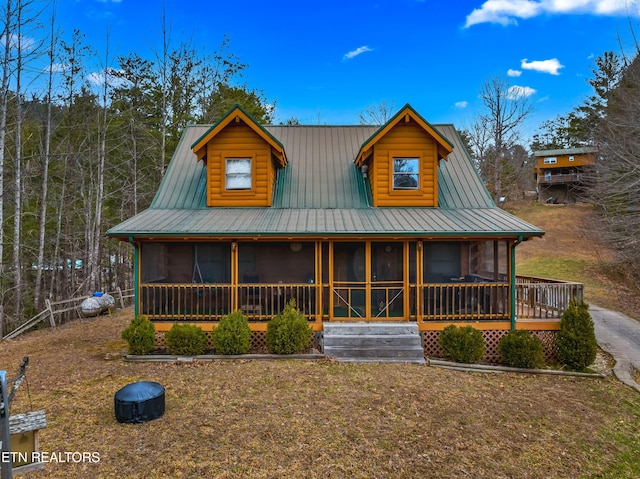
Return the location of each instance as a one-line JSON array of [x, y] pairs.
[[538, 298], [560, 178]]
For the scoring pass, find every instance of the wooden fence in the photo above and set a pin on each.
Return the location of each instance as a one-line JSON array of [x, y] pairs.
[[65, 310]]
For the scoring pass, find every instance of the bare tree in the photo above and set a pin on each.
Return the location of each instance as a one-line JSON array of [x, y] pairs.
[[4, 100], [505, 109], [377, 115], [617, 178], [45, 166]]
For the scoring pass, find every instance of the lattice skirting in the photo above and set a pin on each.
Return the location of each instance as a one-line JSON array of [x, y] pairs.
[[432, 348], [258, 341]]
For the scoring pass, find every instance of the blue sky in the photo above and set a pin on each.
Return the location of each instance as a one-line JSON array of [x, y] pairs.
[[327, 61]]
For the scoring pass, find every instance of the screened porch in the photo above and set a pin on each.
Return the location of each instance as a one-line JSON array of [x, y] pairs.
[[416, 280]]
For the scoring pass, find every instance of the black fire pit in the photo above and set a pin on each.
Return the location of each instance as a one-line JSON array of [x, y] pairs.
[[139, 402]]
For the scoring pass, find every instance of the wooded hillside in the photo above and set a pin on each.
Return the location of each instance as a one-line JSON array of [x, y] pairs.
[[81, 151]]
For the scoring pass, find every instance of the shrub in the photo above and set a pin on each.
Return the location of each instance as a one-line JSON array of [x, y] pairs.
[[233, 335], [521, 349], [140, 334], [462, 344], [186, 340], [288, 332], [576, 341]]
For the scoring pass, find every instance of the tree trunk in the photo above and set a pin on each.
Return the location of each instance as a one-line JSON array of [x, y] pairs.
[[45, 172]]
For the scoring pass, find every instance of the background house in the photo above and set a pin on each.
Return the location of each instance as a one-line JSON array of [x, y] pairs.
[[561, 175]]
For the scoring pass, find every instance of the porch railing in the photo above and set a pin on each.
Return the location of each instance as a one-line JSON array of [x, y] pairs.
[[264, 301], [175, 301], [464, 301], [538, 298]]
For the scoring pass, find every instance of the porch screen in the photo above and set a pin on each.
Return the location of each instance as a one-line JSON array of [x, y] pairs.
[[277, 262], [442, 262], [185, 262]]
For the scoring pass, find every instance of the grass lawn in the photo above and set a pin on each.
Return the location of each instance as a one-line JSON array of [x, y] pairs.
[[571, 250], [304, 419]]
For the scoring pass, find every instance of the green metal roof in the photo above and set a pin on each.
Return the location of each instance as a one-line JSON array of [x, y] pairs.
[[567, 151], [322, 193], [279, 222]]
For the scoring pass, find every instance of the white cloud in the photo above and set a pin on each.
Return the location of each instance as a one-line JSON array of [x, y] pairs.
[[26, 44], [356, 52], [513, 73], [504, 12], [55, 68], [551, 66], [461, 104], [98, 78], [517, 91], [508, 12]]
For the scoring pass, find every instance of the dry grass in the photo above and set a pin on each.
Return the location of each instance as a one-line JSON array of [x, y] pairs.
[[274, 419], [261, 419], [571, 250]]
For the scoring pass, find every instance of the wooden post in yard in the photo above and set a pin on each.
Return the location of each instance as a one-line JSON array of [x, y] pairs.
[[52, 320]]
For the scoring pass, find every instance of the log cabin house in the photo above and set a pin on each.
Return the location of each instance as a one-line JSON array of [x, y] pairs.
[[359, 224], [562, 174]]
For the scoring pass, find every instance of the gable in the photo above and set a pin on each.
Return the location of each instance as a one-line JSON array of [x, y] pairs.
[[241, 159], [401, 160]]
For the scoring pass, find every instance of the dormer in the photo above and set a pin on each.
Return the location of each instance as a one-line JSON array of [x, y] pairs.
[[242, 159], [401, 160]]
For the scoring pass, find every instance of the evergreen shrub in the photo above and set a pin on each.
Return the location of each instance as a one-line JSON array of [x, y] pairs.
[[140, 335], [521, 349], [462, 344], [289, 331], [576, 341], [233, 335], [185, 340]]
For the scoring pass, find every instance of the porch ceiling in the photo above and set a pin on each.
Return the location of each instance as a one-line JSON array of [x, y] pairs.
[[278, 222]]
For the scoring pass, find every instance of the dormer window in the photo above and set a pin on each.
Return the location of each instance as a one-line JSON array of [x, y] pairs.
[[406, 173], [238, 174]]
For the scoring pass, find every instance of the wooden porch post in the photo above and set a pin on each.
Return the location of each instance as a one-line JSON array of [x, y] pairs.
[[512, 282], [136, 277], [331, 273], [419, 278], [318, 281], [406, 307], [234, 276]]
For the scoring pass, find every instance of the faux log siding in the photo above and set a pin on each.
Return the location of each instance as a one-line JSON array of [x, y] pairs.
[[239, 141], [562, 161], [405, 140]]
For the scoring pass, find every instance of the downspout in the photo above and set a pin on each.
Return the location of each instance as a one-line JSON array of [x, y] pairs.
[[513, 282], [136, 279]]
